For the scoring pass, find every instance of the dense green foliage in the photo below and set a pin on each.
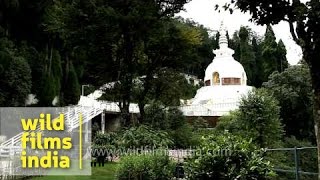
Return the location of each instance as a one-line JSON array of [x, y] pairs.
[[258, 118], [260, 57], [303, 20], [247, 58], [274, 54], [144, 136], [15, 71], [227, 157], [292, 88], [171, 120], [307, 159], [68, 43], [146, 166], [142, 49], [160, 117], [132, 138]]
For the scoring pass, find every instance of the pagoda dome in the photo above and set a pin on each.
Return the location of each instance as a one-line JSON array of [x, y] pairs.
[[224, 69]]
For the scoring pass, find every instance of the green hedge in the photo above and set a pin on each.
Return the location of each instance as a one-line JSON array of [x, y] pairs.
[[227, 157], [146, 167]]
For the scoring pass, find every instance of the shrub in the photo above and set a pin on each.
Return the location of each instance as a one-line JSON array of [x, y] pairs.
[[144, 136], [175, 118], [159, 117], [146, 166], [106, 141], [227, 157], [155, 116], [199, 123], [228, 122], [132, 138], [172, 121], [184, 137]]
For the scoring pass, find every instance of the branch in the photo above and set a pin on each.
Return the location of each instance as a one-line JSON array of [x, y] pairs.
[[292, 31]]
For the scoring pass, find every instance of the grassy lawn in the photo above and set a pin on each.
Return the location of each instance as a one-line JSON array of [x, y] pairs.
[[106, 172]]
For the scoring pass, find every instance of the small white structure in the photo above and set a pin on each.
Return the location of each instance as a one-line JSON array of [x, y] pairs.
[[225, 83]]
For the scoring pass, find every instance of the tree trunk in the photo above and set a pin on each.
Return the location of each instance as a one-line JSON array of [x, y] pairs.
[[125, 114], [142, 96], [141, 111], [314, 65], [127, 80], [316, 116]]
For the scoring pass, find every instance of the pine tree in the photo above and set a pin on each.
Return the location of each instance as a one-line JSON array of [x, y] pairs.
[[247, 58], [234, 44], [269, 53], [256, 47], [47, 90], [282, 59], [71, 90]]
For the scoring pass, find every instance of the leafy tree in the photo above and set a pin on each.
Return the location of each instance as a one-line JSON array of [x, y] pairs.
[[15, 70], [17, 82], [199, 54], [135, 27], [303, 20], [170, 87], [169, 50], [155, 116], [292, 88], [121, 35], [258, 118]]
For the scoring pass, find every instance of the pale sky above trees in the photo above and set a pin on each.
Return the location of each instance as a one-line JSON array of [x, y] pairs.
[[202, 11]]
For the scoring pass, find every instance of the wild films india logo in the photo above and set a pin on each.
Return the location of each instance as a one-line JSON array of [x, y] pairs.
[[48, 145], [52, 145]]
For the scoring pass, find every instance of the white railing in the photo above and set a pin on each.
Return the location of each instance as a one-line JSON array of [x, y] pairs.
[[218, 109]]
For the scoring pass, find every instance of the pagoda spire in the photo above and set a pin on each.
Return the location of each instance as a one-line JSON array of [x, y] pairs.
[[223, 41], [224, 50]]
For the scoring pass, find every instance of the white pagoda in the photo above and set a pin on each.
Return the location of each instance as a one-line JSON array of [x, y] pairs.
[[225, 83]]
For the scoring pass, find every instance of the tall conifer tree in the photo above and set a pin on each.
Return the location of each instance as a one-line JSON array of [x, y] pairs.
[[247, 58]]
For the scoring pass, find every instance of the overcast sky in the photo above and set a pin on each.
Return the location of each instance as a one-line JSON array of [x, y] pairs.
[[202, 11]]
